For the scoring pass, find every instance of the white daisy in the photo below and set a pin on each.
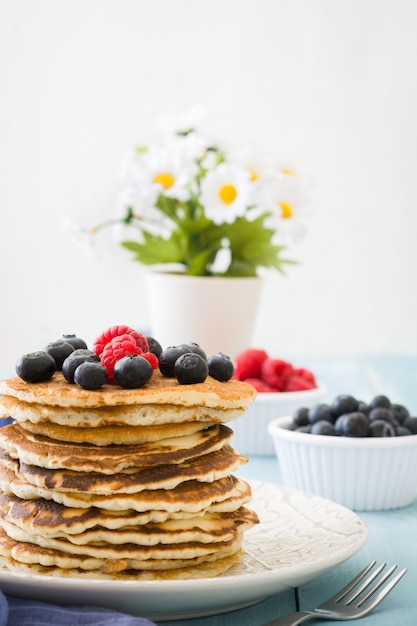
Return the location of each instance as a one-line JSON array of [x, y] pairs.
[[159, 170], [226, 193], [286, 197]]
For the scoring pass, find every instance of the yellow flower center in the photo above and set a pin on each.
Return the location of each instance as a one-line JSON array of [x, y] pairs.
[[253, 175], [227, 194], [286, 210], [288, 172], [165, 179]]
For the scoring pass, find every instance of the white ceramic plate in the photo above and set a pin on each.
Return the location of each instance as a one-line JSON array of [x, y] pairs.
[[300, 536]]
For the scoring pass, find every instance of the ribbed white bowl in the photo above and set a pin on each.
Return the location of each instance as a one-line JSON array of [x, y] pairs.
[[365, 474], [251, 430]]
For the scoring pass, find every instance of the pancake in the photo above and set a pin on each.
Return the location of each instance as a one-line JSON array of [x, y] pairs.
[[23, 557], [206, 468], [208, 529], [125, 415], [122, 484], [49, 517], [51, 454], [190, 496], [113, 435], [158, 391]]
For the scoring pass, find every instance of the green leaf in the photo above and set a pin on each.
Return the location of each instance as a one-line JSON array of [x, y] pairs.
[[156, 249]]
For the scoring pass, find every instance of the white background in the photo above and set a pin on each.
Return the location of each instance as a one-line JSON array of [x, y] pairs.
[[330, 85]]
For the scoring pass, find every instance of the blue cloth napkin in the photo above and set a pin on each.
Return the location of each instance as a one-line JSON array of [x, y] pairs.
[[21, 612]]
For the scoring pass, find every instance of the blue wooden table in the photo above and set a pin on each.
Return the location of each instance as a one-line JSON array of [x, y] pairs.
[[392, 534]]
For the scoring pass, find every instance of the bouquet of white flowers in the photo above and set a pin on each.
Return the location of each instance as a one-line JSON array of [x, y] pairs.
[[195, 206]]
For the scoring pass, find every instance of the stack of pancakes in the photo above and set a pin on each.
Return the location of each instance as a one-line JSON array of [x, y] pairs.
[[122, 483]]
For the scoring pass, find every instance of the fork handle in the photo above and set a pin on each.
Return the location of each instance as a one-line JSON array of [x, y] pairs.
[[291, 620]]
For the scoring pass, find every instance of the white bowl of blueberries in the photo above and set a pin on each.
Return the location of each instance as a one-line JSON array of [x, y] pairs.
[[363, 456]]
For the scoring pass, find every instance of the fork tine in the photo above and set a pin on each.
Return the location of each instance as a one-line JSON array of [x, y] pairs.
[[343, 592], [368, 581], [385, 590]]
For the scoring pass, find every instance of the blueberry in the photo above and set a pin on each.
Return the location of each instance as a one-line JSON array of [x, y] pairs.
[[363, 407], [168, 357], [320, 412], [154, 346], [344, 404], [380, 401], [36, 367], [304, 429], [80, 355], [220, 367], [90, 375], [381, 413], [59, 350], [75, 341], [402, 431], [300, 416], [132, 371], [381, 428], [195, 347], [191, 368], [411, 424], [400, 413], [354, 424], [322, 427]]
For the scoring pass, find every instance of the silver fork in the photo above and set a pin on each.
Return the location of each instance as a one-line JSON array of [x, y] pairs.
[[345, 605]]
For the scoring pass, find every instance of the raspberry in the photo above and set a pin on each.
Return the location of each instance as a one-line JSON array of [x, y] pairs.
[[116, 331], [116, 349], [298, 383], [307, 374], [276, 372], [151, 358], [248, 364], [260, 385]]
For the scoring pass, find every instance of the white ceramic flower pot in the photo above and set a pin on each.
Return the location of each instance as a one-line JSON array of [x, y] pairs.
[[217, 313]]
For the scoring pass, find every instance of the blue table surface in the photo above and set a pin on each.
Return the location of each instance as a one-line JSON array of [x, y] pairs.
[[392, 535]]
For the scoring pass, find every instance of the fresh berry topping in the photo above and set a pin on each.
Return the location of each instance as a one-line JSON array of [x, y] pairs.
[[151, 358], [132, 371], [248, 364], [380, 401], [90, 375], [117, 331], [306, 374], [276, 372], [195, 347], [36, 367], [75, 341], [357, 420], [154, 346], [381, 428], [344, 403], [322, 427], [400, 413], [352, 425], [260, 385], [59, 350], [220, 367], [80, 355], [191, 368], [117, 348], [381, 413], [411, 424], [320, 412], [300, 417], [298, 383], [169, 356]]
